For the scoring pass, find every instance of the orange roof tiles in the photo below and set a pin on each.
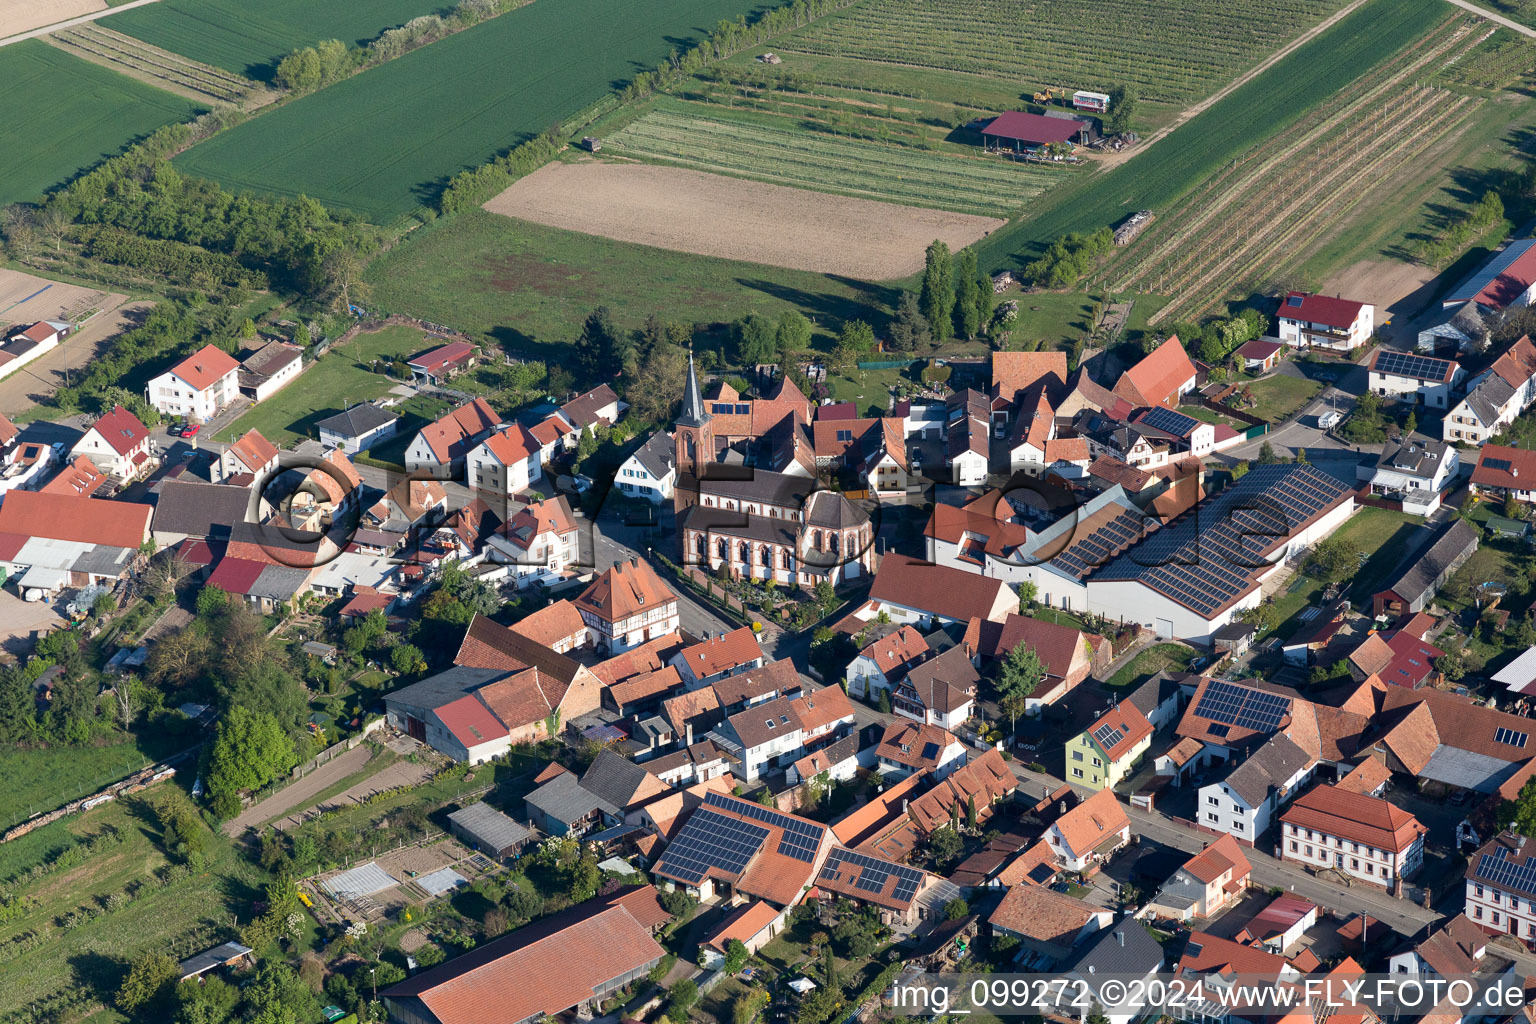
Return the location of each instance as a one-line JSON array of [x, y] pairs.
[[1157, 378], [1224, 855], [625, 589], [648, 657], [205, 366], [512, 445], [1354, 816], [1518, 363], [71, 517], [861, 823], [1128, 723], [1043, 915], [646, 686], [449, 437], [1013, 372], [917, 745], [985, 780], [1366, 777], [897, 650], [254, 451], [1091, 822], [1205, 954], [743, 925], [722, 653], [551, 624], [80, 477]]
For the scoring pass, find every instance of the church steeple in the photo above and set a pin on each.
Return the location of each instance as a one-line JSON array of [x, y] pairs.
[[693, 414]]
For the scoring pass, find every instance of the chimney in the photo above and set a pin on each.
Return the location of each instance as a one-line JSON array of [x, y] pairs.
[[688, 734], [1120, 937], [904, 806]]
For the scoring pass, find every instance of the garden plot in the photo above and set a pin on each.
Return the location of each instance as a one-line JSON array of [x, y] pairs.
[[712, 215]]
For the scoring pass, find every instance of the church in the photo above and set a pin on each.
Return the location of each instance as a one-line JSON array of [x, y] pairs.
[[776, 523]]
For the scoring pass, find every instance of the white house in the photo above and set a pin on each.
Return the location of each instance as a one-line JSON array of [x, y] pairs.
[[359, 428], [885, 660], [651, 470], [1089, 833], [967, 437], [1209, 882], [915, 748], [598, 406], [1324, 321], [627, 605], [717, 657], [939, 691], [911, 590], [1418, 378], [1415, 471], [251, 454], [269, 369], [777, 732], [23, 346], [1244, 802], [1457, 947], [117, 444], [1362, 836], [198, 386], [1495, 396], [439, 448], [541, 542], [1501, 886], [506, 463]]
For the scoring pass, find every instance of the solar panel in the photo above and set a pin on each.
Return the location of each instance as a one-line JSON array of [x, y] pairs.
[[1406, 364], [1510, 737], [1502, 465], [1176, 423], [711, 840], [1107, 736], [798, 838], [1242, 706], [930, 751], [1507, 874], [872, 875]]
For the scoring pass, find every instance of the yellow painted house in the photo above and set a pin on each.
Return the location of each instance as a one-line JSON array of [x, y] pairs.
[[1102, 754]]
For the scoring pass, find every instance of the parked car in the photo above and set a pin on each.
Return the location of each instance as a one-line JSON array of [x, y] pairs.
[[1329, 420], [190, 430]]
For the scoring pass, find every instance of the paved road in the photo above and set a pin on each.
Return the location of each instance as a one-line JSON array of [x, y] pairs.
[[72, 22], [1499, 19], [299, 793]]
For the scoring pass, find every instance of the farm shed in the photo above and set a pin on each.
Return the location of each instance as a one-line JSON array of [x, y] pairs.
[[218, 956], [488, 830], [1022, 132]]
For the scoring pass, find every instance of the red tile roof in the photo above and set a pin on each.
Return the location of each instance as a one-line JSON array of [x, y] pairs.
[[1128, 723], [1258, 348], [1355, 817], [8, 431], [1061, 648], [254, 450], [436, 359], [121, 430], [1320, 309], [365, 599], [985, 780], [1206, 954], [624, 589], [937, 589], [512, 445], [1518, 363], [722, 653], [1091, 822], [895, 651], [206, 366], [1413, 660], [1520, 474], [118, 524], [1157, 378], [449, 437], [742, 925], [470, 721], [1224, 855], [1013, 372], [235, 575], [550, 624], [80, 477], [1032, 128], [1043, 915]]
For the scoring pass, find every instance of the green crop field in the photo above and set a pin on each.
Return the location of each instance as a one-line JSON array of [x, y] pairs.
[[61, 114], [527, 287], [383, 141], [1244, 118], [1171, 50], [250, 36], [714, 139]]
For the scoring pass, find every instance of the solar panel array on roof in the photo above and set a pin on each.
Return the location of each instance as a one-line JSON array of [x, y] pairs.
[[1406, 364], [711, 840], [1502, 465], [1083, 556], [930, 751], [798, 839], [873, 873], [1243, 706], [1107, 736], [1175, 423], [1509, 737], [1211, 556], [1507, 874]]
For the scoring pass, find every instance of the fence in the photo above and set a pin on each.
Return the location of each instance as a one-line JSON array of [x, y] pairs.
[[335, 749]]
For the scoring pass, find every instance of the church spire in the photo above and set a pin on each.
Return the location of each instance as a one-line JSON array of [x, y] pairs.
[[693, 414]]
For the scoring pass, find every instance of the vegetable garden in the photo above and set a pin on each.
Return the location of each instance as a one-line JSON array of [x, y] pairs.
[[383, 141], [62, 113], [712, 139], [1298, 184], [1171, 51]]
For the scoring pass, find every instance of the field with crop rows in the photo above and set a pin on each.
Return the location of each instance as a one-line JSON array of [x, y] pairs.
[[383, 141], [1299, 183], [1172, 50], [1349, 51], [710, 139], [161, 68], [1495, 63], [249, 37], [61, 114]]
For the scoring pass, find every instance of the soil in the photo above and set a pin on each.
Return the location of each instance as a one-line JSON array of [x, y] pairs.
[[729, 218], [1380, 282], [20, 389], [24, 15]]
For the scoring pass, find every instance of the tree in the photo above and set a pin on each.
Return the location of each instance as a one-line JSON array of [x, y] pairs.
[[1267, 456], [601, 349], [54, 223], [1511, 506], [765, 797], [757, 339], [147, 980], [1013, 705], [1519, 814], [1411, 422], [681, 998], [1453, 664], [1240, 470], [910, 330], [944, 845], [659, 382], [885, 700], [955, 909], [1028, 591], [301, 336], [793, 333], [407, 659], [1333, 559], [250, 750], [967, 311], [211, 602], [127, 700], [1021, 671], [856, 340], [736, 955], [970, 812], [1122, 109], [937, 299], [582, 877]]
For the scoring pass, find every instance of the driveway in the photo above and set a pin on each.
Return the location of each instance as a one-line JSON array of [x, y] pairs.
[[298, 794], [21, 619]]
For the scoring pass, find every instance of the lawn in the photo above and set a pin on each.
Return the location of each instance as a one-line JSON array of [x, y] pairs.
[[1059, 318], [1382, 534], [251, 36], [178, 920], [339, 379], [1280, 395], [527, 287], [1159, 658], [383, 142], [40, 780], [1241, 120], [415, 413], [1205, 415], [62, 114]]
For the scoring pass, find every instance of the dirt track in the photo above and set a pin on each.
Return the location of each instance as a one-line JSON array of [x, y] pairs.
[[712, 215], [297, 794]]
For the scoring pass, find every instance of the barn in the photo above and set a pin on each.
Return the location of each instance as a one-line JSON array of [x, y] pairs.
[[1022, 132]]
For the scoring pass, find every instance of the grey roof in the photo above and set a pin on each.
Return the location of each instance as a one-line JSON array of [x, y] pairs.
[[1491, 395], [278, 583], [564, 798], [1123, 948], [357, 421], [657, 455], [489, 827], [750, 484], [1467, 769], [1453, 543], [1417, 456], [1269, 766], [945, 682], [270, 358], [693, 414], [838, 752], [734, 524], [211, 958], [443, 688], [101, 560], [1151, 695], [614, 778], [830, 509], [1234, 631], [196, 509]]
